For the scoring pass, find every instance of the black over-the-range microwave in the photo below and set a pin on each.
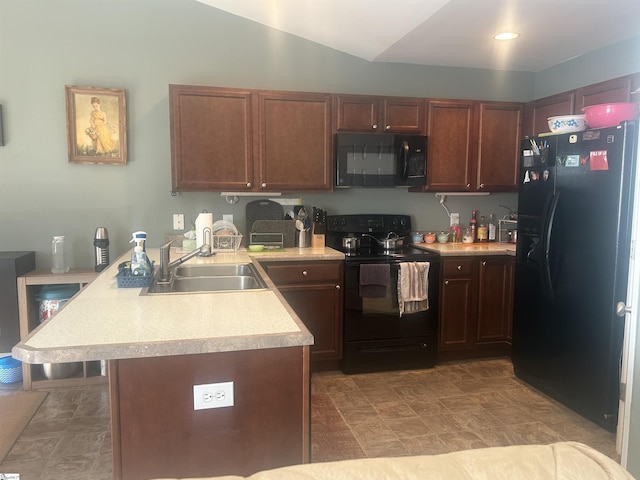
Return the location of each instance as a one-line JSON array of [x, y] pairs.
[[380, 160]]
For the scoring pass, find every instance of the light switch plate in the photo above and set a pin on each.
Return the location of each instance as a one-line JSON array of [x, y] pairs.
[[228, 217], [178, 221]]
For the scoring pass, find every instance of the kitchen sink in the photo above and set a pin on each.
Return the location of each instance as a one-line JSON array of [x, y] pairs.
[[215, 270], [209, 278], [215, 284]]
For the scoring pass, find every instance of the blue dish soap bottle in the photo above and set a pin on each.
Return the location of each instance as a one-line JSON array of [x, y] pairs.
[[140, 264]]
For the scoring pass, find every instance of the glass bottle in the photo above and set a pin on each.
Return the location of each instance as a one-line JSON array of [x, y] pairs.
[[59, 255], [492, 228], [483, 230], [473, 225]]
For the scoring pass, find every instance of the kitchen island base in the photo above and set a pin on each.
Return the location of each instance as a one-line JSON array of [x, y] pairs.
[[157, 433]]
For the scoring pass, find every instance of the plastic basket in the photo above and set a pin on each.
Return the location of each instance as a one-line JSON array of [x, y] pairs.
[[10, 370], [128, 280]]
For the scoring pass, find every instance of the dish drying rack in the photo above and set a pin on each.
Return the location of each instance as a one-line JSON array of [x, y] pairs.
[[226, 243], [272, 241]]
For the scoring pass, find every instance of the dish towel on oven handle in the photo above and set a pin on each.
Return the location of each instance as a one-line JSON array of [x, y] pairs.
[[374, 279], [413, 287]]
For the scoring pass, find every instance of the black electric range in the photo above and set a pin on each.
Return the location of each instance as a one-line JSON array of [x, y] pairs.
[[376, 336], [364, 227]]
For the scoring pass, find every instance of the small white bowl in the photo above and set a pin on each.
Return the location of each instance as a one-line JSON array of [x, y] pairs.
[[567, 123]]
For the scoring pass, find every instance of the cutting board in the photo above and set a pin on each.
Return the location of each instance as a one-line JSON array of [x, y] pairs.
[[262, 210]]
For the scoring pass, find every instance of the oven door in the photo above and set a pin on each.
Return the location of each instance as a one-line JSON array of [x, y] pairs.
[[376, 337]]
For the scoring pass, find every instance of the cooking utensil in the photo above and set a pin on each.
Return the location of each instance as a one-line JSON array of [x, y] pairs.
[[351, 243], [567, 123], [609, 114], [392, 241]]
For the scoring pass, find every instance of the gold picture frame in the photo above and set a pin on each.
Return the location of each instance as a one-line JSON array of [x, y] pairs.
[[96, 125]]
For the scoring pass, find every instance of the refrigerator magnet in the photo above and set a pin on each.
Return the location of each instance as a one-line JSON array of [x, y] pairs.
[[572, 161], [598, 160]]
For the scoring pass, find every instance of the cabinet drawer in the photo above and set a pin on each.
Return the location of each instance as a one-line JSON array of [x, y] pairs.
[[459, 267], [288, 273]]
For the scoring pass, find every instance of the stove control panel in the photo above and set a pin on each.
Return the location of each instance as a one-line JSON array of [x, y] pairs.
[[373, 224]]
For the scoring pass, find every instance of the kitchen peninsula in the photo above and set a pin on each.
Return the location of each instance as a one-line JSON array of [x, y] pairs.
[[160, 346]]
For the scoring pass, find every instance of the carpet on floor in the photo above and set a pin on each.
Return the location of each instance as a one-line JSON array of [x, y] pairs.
[[16, 410]]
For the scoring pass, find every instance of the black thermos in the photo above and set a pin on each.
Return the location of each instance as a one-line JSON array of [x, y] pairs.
[[101, 250]]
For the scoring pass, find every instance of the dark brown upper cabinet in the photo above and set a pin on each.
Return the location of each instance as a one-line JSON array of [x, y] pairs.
[[473, 146], [616, 90], [361, 113], [249, 140]]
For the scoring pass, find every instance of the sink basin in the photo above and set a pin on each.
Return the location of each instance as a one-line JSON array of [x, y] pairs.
[[215, 270], [215, 284], [210, 278]]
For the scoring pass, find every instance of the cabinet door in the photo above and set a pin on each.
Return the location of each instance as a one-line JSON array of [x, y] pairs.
[[458, 299], [404, 115], [320, 308], [294, 142], [357, 113], [211, 138], [612, 91], [499, 146], [451, 156], [314, 291], [538, 111], [495, 299]]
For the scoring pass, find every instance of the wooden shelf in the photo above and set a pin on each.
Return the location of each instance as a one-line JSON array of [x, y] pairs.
[[28, 286]]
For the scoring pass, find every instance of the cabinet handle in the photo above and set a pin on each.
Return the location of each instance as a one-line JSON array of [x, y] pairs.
[[482, 185], [304, 272], [337, 287], [446, 282], [374, 126], [263, 185], [459, 267], [468, 185], [388, 127], [484, 264], [249, 185]]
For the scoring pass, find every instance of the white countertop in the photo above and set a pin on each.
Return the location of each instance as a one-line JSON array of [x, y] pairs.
[[106, 322]]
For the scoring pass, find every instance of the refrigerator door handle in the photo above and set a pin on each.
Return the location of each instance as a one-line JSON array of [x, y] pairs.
[[547, 281], [622, 309]]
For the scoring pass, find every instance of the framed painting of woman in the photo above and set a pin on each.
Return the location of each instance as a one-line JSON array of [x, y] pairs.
[[96, 125]]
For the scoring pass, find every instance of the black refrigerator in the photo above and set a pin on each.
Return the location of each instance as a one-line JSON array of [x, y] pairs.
[[575, 203]]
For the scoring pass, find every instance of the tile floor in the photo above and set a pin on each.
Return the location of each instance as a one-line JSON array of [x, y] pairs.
[[451, 407]]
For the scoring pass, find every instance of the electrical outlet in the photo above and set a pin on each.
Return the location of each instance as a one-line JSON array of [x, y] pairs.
[[213, 395], [454, 218], [228, 217], [178, 221]]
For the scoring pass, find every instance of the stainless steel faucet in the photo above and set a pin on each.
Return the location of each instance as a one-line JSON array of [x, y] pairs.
[[166, 266]]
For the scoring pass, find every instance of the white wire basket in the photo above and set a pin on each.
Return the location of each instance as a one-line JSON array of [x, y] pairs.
[[226, 243]]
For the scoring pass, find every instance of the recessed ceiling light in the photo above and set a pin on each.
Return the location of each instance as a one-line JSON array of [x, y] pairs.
[[506, 36]]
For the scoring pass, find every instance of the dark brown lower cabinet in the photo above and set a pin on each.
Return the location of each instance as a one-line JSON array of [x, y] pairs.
[[314, 291], [475, 307], [156, 433]]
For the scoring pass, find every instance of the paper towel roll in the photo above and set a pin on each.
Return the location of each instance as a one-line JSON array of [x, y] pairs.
[[204, 229]]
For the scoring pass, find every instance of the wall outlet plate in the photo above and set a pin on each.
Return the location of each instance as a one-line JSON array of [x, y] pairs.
[[213, 395], [228, 217], [454, 218]]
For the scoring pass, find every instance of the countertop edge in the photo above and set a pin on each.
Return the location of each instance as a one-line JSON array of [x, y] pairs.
[[138, 349], [473, 249]]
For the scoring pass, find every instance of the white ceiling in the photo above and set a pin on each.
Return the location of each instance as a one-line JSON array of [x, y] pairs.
[[450, 32]]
